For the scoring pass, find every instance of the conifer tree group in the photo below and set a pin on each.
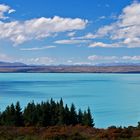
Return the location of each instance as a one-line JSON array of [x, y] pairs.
[[48, 113]]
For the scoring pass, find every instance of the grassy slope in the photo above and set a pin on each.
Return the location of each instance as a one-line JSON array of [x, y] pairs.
[[68, 133]]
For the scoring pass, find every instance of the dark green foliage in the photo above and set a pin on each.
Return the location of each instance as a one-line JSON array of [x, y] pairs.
[[18, 115], [80, 116], [66, 115], [8, 116], [61, 113], [73, 115], [87, 118], [48, 113], [30, 115], [12, 116], [138, 125]]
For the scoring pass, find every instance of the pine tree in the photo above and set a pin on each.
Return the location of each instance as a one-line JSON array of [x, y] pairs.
[[9, 116], [90, 117], [80, 116], [4, 116], [66, 115], [61, 113], [52, 112], [38, 115], [73, 115], [30, 116], [18, 115], [45, 114], [87, 118]]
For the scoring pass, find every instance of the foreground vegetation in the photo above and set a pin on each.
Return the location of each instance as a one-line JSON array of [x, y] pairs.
[[48, 113], [55, 121], [70, 132]]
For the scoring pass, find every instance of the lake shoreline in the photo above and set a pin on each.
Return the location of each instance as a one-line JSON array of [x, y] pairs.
[[69, 69]]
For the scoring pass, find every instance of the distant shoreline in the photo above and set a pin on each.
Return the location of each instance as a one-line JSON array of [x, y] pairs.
[[70, 69], [73, 72]]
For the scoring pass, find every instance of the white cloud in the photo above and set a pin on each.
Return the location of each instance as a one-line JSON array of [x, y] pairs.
[[6, 58], [87, 36], [100, 58], [5, 9], [71, 41], [11, 11], [38, 60], [82, 63], [44, 60], [114, 58], [104, 45], [132, 58], [69, 61], [37, 48], [19, 32], [102, 17], [126, 29], [71, 34]]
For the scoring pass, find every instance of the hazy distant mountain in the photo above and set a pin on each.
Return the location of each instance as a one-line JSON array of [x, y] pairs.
[[8, 64], [100, 68], [19, 64]]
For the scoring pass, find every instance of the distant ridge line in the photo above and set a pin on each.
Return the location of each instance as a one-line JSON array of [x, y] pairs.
[[23, 68]]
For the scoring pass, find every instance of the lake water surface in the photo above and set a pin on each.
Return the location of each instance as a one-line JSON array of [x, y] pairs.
[[114, 99]]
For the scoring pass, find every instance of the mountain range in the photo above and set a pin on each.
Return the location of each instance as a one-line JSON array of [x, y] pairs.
[[99, 68]]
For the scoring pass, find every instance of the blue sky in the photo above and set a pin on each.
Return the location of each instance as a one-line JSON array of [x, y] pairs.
[[69, 31]]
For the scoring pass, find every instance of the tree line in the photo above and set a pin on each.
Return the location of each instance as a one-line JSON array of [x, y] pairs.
[[49, 113]]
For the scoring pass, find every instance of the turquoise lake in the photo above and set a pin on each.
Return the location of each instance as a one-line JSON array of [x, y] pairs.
[[114, 99]]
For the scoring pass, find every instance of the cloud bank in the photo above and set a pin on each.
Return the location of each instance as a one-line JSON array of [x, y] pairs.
[[19, 32], [114, 58], [125, 31]]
